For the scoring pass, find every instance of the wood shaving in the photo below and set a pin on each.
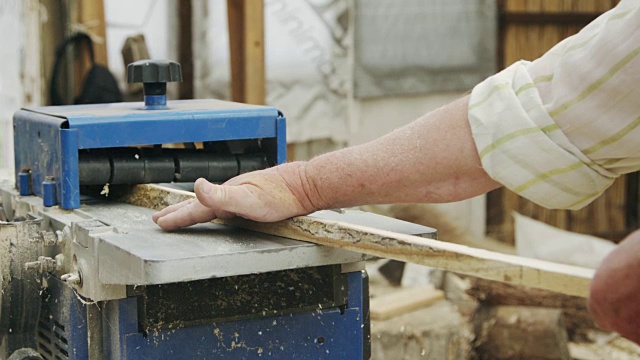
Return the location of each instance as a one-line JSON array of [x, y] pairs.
[[105, 190]]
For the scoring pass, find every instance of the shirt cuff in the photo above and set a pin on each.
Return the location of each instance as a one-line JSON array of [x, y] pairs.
[[521, 146]]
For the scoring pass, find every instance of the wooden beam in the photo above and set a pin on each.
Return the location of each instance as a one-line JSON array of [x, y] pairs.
[[185, 48], [563, 18], [457, 258], [246, 47], [88, 17], [91, 18], [50, 35], [404, 300], [576, 315]]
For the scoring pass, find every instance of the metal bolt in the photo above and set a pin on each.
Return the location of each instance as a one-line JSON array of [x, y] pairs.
[[43, 264], [60, 237], [49, 238], [72, 278], [59, 259]]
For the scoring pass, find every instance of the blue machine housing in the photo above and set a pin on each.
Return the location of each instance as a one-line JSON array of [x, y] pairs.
[[48, 142], [47, 139], [332, 333]]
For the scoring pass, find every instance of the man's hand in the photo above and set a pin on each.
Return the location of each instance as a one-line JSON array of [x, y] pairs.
[[266, 195], [615, 291], [433, 159]]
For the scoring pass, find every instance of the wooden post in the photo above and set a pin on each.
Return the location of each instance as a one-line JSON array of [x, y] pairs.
[[91, 17], [246, 45], [51, 33], [185, 50], [88, 16]]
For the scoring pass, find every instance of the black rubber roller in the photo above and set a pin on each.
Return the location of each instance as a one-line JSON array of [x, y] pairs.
[[144, 166], [94, 169], [213, 167]]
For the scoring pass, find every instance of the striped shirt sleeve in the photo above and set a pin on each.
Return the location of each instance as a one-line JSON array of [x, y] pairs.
[[560, 129]]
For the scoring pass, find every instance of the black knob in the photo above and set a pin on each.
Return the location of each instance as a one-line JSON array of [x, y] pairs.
[[154, 71], [154, 76]]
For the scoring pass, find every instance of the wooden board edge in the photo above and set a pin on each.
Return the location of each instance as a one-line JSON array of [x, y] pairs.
[[516, 270]]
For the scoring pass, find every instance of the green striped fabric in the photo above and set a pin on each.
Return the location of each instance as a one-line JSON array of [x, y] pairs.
[[560, 129]]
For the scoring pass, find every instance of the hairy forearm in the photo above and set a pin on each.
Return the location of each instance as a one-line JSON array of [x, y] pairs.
[[433, 159], [430, 160]]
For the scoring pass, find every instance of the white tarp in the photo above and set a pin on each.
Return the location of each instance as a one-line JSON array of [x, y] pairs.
[[306, 51], [409, 47], [538, 240]]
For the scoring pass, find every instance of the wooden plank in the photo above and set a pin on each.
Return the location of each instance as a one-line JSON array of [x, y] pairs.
[[447, 226], [577, 317], [246, 46], [617, 204], [462, 259], [88, 17], [402, 301], [601, 216], [291, 152], [185, 48], [50, 35], [582, 220], [91, 20]]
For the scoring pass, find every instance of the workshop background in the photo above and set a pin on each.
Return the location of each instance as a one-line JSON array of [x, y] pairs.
[[345, 72]]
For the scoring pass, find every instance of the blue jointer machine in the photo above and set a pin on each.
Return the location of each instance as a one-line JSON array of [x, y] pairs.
[[84, 276], [59, 149]]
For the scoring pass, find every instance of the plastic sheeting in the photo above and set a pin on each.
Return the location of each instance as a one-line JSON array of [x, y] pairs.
[[409, 47], [403, 47], [306, 51], [538, 240]]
